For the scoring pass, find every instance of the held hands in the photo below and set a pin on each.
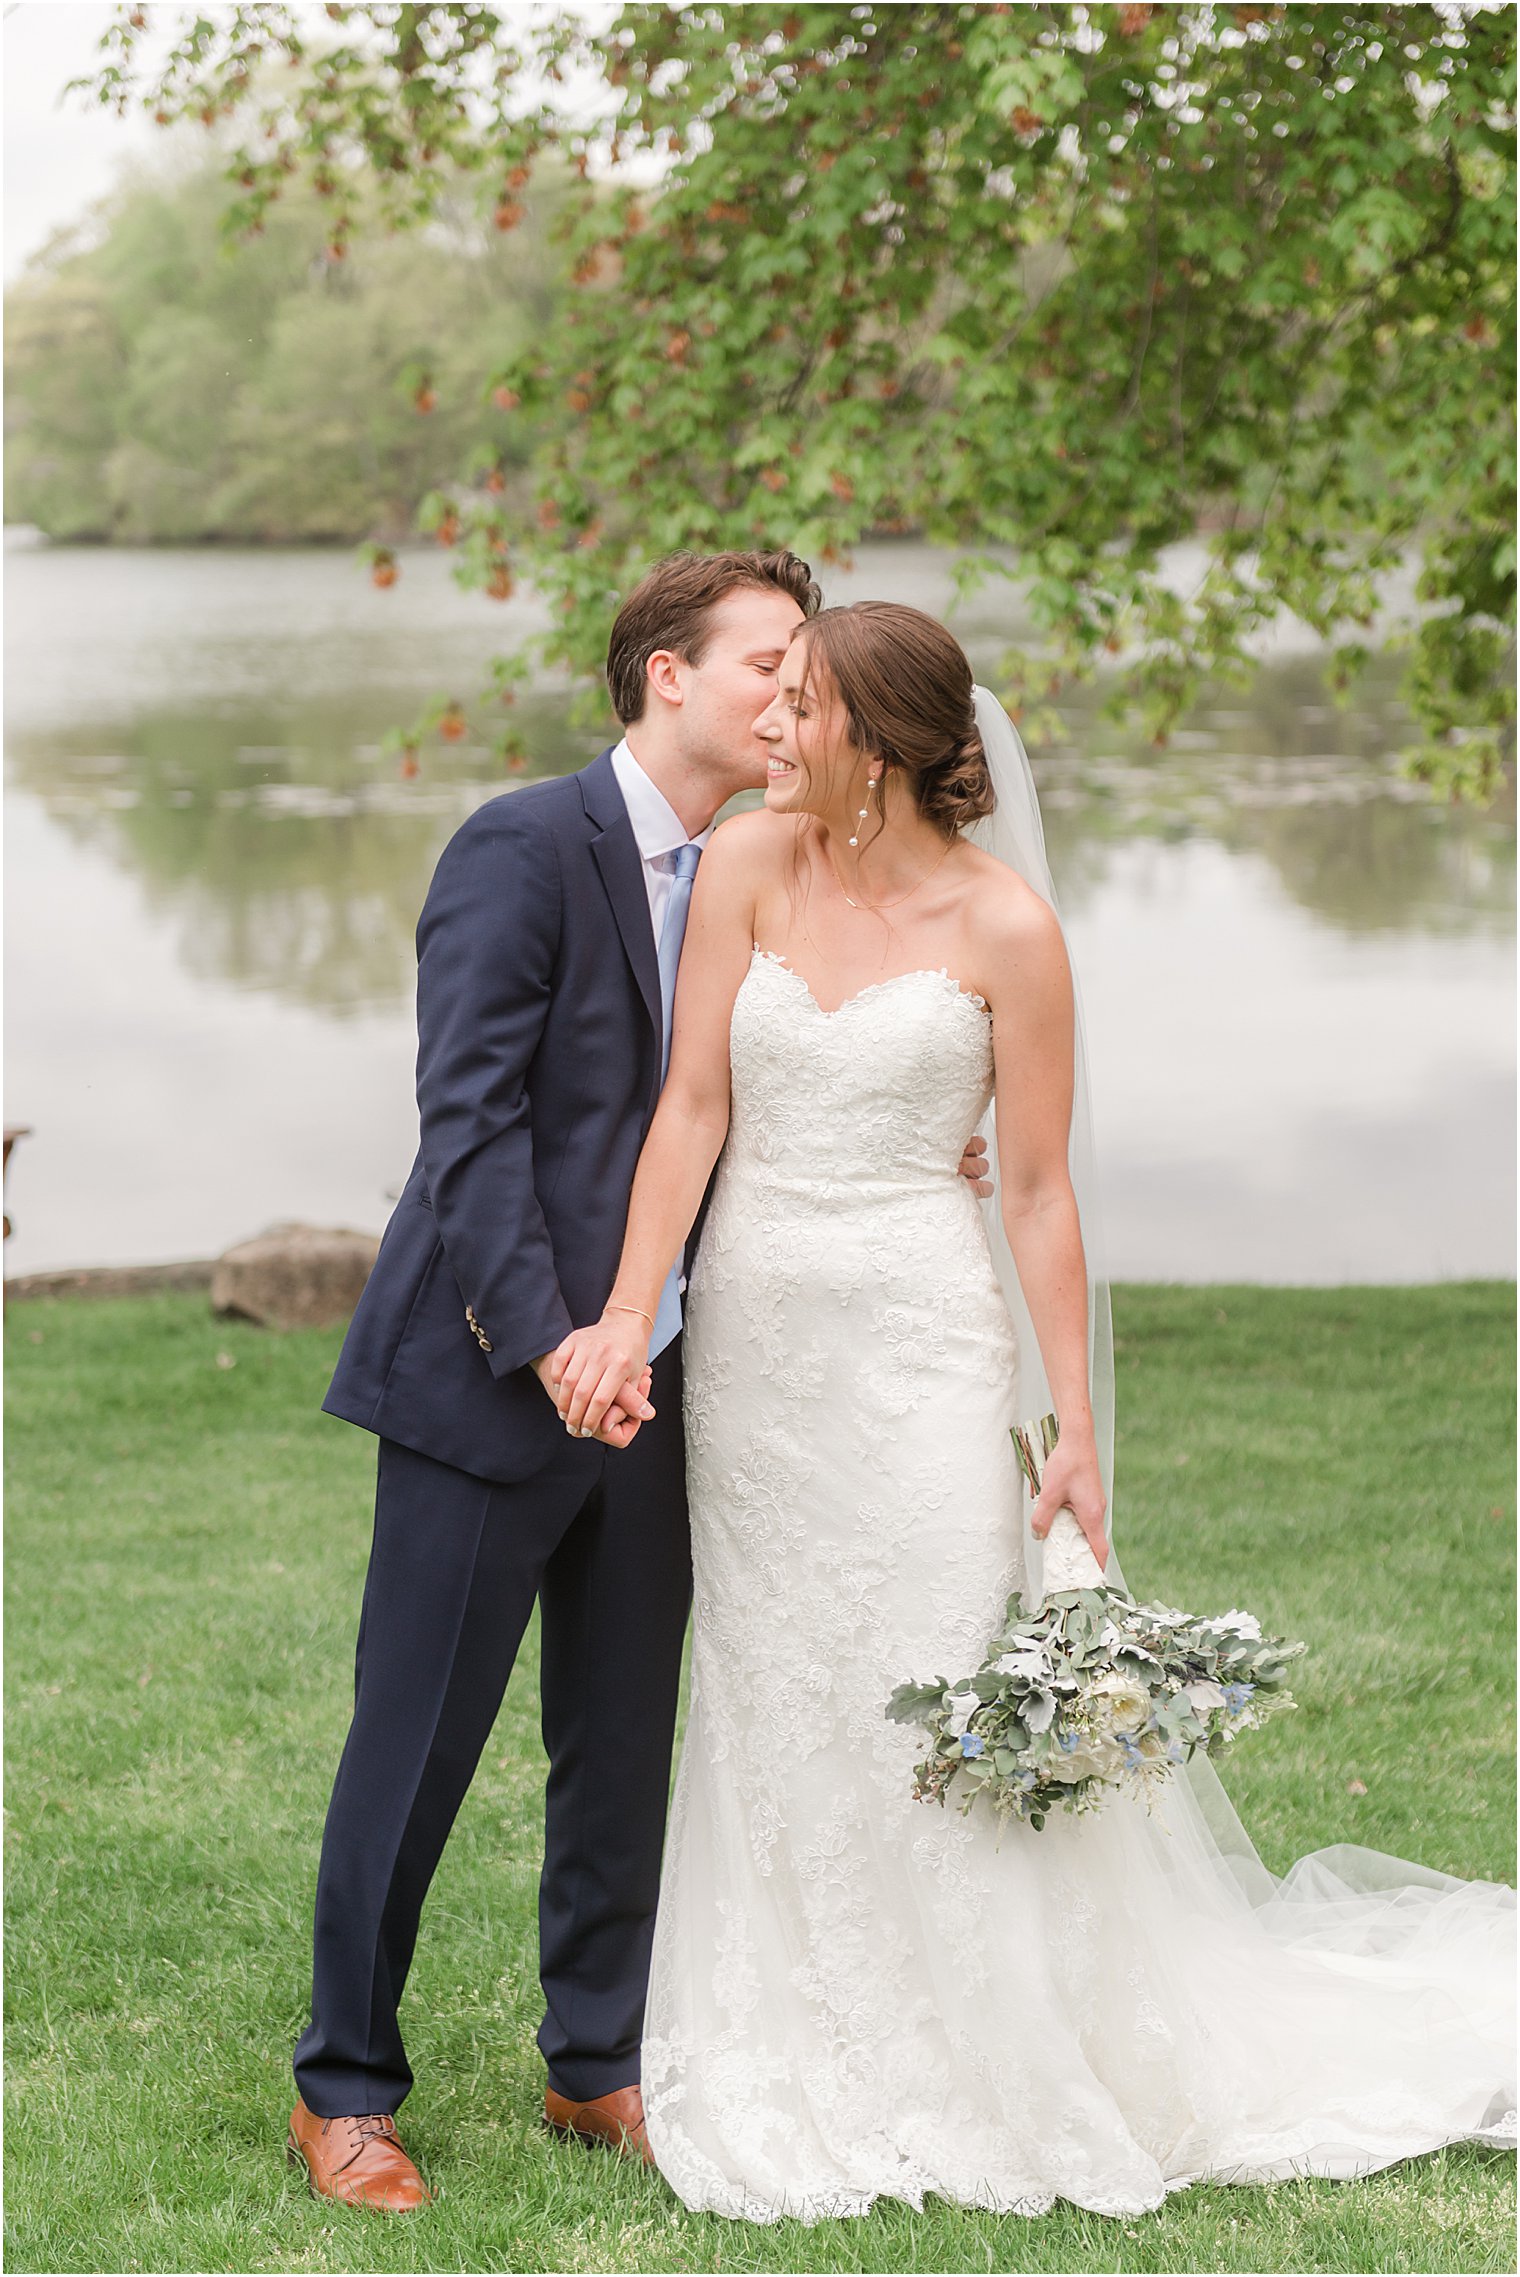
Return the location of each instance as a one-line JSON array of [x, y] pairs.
[[600, 1376], [627, 1411], [1071, 1480]]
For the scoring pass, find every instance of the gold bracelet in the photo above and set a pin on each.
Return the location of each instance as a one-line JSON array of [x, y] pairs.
[[643, 1315]]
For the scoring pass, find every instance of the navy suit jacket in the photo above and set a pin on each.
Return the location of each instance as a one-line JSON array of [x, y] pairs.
[[538, 1074]]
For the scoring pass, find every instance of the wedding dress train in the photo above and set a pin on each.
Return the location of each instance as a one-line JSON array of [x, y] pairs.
[[855, 1995]]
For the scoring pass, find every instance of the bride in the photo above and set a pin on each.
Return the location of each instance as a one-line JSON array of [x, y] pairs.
[[855, 1995]]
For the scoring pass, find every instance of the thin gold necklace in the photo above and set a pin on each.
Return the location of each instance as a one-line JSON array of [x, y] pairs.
[[924, 880]]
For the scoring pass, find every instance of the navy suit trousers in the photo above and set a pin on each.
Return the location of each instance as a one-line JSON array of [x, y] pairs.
[[600, 1538]]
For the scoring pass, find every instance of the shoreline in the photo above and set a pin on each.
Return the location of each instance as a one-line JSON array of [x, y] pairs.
[[196, 1273], [111, 1280]]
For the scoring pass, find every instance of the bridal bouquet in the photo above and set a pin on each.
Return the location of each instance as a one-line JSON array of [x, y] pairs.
[[1091, 1692]]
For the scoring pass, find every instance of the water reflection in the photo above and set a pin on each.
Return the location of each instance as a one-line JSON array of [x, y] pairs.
[[206, 726], [287, 862], [295, 860]]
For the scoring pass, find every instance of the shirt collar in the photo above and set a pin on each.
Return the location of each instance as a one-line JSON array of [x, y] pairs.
[[657, 828]]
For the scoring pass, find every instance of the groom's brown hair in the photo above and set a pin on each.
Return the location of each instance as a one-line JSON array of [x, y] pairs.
[[672, 605]]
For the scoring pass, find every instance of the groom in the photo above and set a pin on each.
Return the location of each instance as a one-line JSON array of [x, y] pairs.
[[547, 954]]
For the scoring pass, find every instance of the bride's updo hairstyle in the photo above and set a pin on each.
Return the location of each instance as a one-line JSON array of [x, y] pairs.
[[906, 688]]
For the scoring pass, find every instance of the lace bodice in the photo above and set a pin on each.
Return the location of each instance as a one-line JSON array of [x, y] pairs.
[[885, 1087]]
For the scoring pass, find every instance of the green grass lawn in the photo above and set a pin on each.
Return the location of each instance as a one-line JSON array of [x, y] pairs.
[[187, 1542]]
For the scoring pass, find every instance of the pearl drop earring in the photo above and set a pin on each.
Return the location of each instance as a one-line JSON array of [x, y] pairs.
[[865, 810]]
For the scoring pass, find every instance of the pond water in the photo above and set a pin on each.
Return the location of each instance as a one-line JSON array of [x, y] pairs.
[[1297, 969]]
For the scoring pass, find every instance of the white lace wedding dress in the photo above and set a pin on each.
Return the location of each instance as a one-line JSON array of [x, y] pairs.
[[855, 1995]]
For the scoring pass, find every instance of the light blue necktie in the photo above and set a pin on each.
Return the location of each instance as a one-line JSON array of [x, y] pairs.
[[667, 1313]]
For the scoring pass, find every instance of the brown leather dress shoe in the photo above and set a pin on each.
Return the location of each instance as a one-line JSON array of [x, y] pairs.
[[357, 2161], [616, 2119]]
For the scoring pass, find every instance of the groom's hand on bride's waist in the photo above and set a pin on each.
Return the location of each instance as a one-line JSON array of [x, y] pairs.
[[974, 1166], [620, 1416]]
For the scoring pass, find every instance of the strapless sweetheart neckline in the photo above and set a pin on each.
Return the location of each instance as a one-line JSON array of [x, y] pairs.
[[831, 1012]]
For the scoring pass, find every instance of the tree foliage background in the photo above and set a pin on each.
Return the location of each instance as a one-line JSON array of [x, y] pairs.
[[161, 391], [1054, 286]]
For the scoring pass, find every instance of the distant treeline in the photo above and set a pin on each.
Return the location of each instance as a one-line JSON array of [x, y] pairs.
[[163, 389]]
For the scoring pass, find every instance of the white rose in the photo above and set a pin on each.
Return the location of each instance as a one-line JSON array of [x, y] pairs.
[[1128, 1702], [1096, 1759]]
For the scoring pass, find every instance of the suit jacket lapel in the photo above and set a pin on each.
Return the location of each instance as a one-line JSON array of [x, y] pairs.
[[617, 857]]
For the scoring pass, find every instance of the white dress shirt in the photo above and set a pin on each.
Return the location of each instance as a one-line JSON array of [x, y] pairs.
[[657, 831]]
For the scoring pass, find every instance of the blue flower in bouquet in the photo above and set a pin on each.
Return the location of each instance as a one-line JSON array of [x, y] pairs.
[[1068, 1741], [972, 1743], [1236, 1696]]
